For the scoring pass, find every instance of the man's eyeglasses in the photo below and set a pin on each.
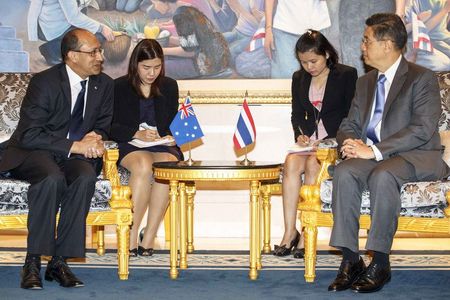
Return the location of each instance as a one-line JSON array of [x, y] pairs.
[[92, 53], [366, 41]]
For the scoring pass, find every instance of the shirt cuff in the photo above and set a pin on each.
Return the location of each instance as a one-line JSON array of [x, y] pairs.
[[378, 155]]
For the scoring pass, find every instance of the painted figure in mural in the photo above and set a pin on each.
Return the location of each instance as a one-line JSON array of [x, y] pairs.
[[382, 151], [165, 9], [435, 15], [225, 17], [146, 101], [57, 147], [49, 20], [322, 91], [286, 20], [200, 51], [250, 13], [128, 6]]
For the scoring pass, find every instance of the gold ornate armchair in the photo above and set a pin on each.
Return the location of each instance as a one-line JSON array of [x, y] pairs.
[[111, 204], [425, 205]]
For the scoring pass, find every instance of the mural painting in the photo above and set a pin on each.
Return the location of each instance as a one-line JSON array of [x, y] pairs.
[[209, 39]]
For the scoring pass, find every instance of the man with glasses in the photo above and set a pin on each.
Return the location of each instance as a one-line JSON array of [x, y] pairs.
[[57, 147], [389, 137]]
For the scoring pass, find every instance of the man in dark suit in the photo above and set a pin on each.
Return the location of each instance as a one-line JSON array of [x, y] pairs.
[[57, 146], [389, 137]]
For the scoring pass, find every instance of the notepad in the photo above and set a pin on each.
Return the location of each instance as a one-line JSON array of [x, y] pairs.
[[143, 144], [296, 148]]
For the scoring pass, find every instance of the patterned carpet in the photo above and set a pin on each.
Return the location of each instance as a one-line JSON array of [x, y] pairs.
[[224, 260]]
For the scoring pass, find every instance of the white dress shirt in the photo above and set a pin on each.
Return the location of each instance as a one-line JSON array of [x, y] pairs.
[[390, 73]]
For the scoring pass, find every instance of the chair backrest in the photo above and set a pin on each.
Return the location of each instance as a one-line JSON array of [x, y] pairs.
[[444, 86], [13, 87]]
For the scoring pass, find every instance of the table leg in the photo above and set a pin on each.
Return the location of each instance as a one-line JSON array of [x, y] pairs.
[[183, 244], [173, 194], [190, 191], [254, 228], [266, 216], [258, 233]]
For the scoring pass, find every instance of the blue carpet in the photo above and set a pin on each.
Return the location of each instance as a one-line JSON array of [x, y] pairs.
[[102, 283], [224, 275]]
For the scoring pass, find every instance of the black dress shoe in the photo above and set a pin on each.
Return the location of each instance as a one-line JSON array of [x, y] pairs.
[[285, 250], [373, 279], [57, 269], [145, 251], [347, 275], [30, 276], [298, 252]]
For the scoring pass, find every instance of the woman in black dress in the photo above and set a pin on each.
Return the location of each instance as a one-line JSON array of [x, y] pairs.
[[145, 104], [322, 91]]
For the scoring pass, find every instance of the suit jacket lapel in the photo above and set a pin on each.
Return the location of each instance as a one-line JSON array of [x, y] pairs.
[[370, 97], [92, 91], [304, 97], [65, 86], [396, 86], [329, 88]]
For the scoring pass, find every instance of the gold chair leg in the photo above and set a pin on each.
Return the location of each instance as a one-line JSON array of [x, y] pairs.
[[183, 230], [190, 190], [258, 234], [254, 228], [266, 213], [101, 240], [123, 241], [167, 225], [173, 194], [94, 239], [310, 252]]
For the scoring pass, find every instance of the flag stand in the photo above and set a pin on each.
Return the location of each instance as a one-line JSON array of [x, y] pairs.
[[190, 161], [245, 161]]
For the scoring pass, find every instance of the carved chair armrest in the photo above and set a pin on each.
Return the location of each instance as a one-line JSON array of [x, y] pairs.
[[447, 209], [121, 195], [310, 194]]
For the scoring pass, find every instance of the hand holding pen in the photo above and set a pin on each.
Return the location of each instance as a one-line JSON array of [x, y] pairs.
[[302, 139]]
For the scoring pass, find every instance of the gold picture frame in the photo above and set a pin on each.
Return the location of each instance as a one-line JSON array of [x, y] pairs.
[[232, 91]]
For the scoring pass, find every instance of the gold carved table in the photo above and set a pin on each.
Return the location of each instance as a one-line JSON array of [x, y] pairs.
[[181, 175]]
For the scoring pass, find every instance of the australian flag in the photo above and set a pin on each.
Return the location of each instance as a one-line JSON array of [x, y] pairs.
[[245, 133], [185, 127]]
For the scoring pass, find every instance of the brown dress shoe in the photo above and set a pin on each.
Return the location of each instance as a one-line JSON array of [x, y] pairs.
[[347, 275]]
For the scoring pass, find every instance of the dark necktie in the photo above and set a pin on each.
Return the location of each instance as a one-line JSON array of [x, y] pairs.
[[378, 112], [76, 121]]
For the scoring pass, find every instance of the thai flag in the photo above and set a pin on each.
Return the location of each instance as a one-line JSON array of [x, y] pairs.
[[257, 40], [185, 127], [421, 39], [245, 133]]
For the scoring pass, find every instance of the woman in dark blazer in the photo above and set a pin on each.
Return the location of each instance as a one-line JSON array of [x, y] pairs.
[[321, 95], [145, 104]]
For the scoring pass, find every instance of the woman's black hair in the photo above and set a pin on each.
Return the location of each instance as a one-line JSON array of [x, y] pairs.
[[315, 41]]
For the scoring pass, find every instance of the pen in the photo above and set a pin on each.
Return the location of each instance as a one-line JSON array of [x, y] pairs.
[[301, 133]]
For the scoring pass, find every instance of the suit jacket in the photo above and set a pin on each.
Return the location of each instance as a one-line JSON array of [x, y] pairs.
[[339, 91], [45, 115], [126, 117], [409, 125]]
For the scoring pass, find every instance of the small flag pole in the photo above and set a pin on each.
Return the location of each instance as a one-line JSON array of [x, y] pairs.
[[190, 161], [246, 161]]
